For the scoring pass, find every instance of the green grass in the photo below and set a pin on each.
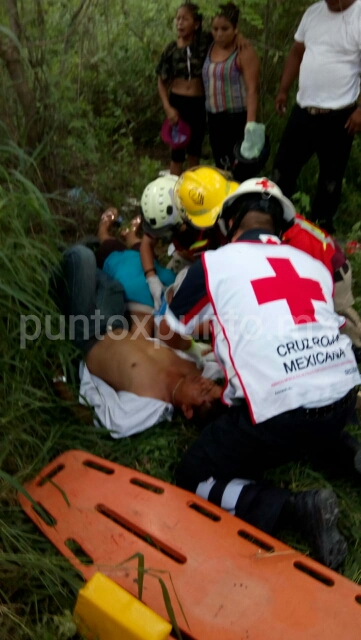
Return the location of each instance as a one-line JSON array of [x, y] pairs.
[[37, 585]]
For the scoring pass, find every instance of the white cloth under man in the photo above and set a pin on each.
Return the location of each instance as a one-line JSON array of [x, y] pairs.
[[124, 413]]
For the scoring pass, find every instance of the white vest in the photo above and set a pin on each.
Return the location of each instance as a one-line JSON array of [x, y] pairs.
[[275, 329]]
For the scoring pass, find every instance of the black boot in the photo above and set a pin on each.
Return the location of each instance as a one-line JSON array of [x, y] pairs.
[[315, 514]]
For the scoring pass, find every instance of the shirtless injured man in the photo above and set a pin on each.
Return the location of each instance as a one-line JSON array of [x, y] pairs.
[[132, 381]]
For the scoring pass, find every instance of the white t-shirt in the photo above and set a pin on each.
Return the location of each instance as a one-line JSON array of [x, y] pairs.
[[330, 69]]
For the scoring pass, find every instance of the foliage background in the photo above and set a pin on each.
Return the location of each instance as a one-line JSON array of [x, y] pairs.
[[90, 105], [80, 121]]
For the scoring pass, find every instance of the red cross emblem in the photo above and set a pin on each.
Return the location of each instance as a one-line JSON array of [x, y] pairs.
[[288, 285], [266, 184]]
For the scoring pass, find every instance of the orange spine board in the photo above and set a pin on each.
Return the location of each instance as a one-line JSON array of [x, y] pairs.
[[233, 581]]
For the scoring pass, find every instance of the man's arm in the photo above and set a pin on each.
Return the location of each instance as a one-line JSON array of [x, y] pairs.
[[147, 253], [248, 63], [147, 258], [290, 73], [174, 340], [190, 306], [353, 124], [108, 243]]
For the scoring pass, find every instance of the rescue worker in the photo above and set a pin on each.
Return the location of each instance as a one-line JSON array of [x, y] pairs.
[[304, 235], [163, 204], [291, 377]]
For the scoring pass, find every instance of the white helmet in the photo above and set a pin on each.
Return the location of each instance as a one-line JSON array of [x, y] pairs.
[[264, 190], [160, 214]]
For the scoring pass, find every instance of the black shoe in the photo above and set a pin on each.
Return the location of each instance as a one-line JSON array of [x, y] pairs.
[[315, 514]]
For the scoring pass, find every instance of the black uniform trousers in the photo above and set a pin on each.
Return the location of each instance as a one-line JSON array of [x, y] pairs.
[[325, 135], [232, 447]]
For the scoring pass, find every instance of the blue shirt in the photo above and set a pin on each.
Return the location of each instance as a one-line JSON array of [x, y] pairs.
[[126, 267]]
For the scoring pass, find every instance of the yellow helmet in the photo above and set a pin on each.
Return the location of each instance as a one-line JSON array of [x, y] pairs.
[[199, 194]]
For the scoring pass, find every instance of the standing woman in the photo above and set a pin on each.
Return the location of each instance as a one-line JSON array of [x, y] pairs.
[[230, 78], [180, 83]]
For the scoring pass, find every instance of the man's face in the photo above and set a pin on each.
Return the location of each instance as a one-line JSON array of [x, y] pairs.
[[197, 392], [339, 5]]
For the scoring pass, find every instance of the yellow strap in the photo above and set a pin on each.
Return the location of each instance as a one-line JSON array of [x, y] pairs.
[[198, 245], [315, 231]]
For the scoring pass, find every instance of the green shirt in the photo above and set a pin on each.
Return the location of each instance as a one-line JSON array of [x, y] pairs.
[[184, 62]]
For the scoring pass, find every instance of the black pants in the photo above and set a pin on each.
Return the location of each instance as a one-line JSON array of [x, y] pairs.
[[325, 135], [225, 129], [232, 447], [192, 110]]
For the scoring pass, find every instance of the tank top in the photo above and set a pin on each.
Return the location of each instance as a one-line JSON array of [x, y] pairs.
[[224, 84]]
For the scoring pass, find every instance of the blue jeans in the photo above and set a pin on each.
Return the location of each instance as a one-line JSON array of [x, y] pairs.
[[91, 300]]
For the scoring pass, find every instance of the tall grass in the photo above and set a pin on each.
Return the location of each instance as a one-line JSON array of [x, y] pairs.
[[37, 584], [29, 411]]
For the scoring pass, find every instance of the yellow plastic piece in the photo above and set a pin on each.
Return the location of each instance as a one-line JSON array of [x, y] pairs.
[[106, 611]]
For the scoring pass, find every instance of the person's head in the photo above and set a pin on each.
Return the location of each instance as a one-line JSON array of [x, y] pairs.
[[188, 20], [161, 217], [225, 24], [339, 5], [194, 394], [258, 203], [199, 194]]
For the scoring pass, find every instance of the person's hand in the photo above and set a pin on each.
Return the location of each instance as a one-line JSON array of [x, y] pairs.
[[281, 103], [156, 289], [197, 351], [105, 223], [109, 215], [209, 357], [172, 115], [254, 140], [353, 124]]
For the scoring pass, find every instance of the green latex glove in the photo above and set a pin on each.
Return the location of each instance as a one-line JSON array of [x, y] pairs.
[[198, 351], [254, 140]]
